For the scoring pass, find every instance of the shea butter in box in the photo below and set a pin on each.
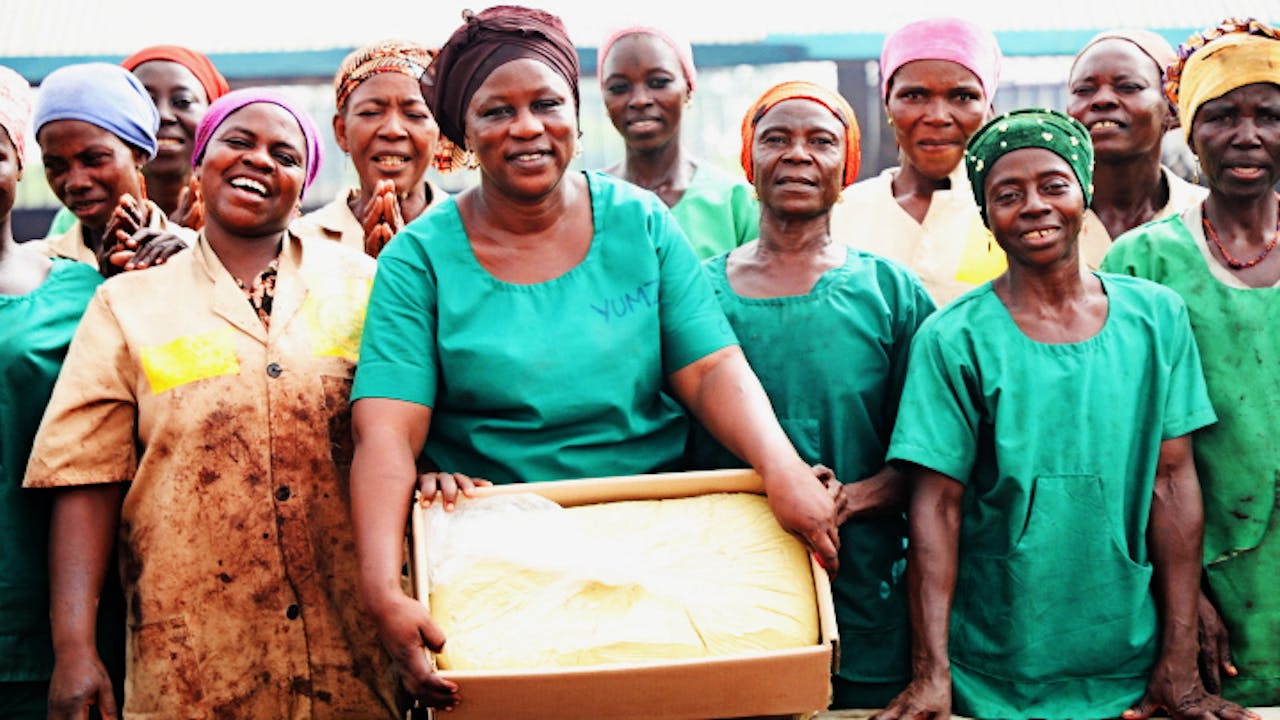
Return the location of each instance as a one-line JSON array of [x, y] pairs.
[[630, 676]]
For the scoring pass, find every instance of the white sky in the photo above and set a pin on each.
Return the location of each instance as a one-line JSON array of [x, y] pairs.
[[117, 27]]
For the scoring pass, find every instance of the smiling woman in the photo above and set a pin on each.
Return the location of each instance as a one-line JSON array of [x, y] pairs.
[[1073, 506], [213, 429], [384, 124], [96, 127], [544, 325], [1117, 92], [647, 79]]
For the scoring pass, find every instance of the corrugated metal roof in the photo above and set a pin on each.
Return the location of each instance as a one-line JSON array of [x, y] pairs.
[[43, 28]]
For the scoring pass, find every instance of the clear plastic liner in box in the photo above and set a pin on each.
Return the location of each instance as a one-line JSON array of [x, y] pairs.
[[517, 582]]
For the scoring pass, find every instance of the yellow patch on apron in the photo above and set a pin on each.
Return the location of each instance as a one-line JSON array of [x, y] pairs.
[[982, 258], [334, 315], [190, 358]]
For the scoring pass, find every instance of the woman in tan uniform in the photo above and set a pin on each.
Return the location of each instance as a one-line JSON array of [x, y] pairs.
[[211, 432]]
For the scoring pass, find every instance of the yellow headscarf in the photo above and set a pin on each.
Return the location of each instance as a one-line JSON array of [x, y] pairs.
[[1235, 54]]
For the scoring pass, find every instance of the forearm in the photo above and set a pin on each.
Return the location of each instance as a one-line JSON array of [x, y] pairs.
[[81, 536], [931, 570], [1174, 538], [883, 493], [382, 482]]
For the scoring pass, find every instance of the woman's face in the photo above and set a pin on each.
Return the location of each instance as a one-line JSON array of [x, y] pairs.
[[1237, 138], [645, 91], [935, 105], [1035, 206], [88, 168], [388, 131], [253, 171], [9, 174], [181, 102], [1116, 93], [522, 128], [797, 154]]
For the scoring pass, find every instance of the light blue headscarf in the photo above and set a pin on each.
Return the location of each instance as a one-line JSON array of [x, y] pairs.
[[100, 94]]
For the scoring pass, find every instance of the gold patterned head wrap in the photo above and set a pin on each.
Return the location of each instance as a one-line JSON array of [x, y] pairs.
[[398, 56], [1210, 64]]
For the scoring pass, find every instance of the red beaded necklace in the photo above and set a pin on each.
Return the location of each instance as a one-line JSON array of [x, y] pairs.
[[1232, 262]]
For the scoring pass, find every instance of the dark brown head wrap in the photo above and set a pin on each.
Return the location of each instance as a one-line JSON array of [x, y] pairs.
[[485, 42]]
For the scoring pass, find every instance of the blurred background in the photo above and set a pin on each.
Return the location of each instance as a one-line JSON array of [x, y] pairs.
[[741, 48]]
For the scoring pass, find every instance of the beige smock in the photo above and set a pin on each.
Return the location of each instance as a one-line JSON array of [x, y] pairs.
[[952, 251], [70, 244], [237, 552], [335, 221], [1095, 241]]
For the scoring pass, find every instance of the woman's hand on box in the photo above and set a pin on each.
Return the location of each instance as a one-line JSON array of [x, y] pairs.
[[446, 487], [804, 507], [407, 632]]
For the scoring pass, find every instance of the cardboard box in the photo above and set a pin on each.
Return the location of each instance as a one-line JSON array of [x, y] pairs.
[[788, 682]]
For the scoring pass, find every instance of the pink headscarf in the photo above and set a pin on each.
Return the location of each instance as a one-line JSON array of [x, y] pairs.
[[958, 41], [683, 50], [236, 99], [15, 109]]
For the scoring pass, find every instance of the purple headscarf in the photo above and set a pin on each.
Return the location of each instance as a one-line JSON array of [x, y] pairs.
[[958, 41], [237, 99]]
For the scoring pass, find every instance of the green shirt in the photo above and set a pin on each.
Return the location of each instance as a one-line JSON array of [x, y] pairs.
[[1056, 445], [552, 380], [37, 330], [1237, 459], [832, 362], [717, 212]]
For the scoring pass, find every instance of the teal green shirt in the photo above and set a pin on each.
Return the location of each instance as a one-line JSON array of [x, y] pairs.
[[1236, 459], [37, 330], [1056, 445], [833, 362], [553, 380], [717, 212]]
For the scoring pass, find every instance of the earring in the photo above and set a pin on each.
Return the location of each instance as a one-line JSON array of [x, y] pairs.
[[469, 160], [577, 150]]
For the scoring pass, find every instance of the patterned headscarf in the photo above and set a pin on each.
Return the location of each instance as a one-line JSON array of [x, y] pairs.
[[1210, 64], [399, 56], [15, 110], [100, 94], [215, 86], [1052, 130], [801, 90], [682, 49], [237, 99], [486, 41], [952, 39]]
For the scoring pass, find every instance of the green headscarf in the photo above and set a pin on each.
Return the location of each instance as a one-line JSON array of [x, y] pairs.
[[1049, 129]]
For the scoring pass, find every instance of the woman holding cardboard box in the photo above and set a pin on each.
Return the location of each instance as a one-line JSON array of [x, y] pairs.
[[535, 332]]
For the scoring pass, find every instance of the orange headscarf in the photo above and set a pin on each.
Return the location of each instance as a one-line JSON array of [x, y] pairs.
[[801, 90], [215, 86]]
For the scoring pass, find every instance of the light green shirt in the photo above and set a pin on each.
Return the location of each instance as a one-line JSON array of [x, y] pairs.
[[1237, 459], [1056, 445], [718, 212], [553, 380]]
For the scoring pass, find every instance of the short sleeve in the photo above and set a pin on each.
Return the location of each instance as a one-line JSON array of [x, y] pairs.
[[914, 306], [398, 354], [1187, 407], [89, 432], [938, 420], [693, 324]]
